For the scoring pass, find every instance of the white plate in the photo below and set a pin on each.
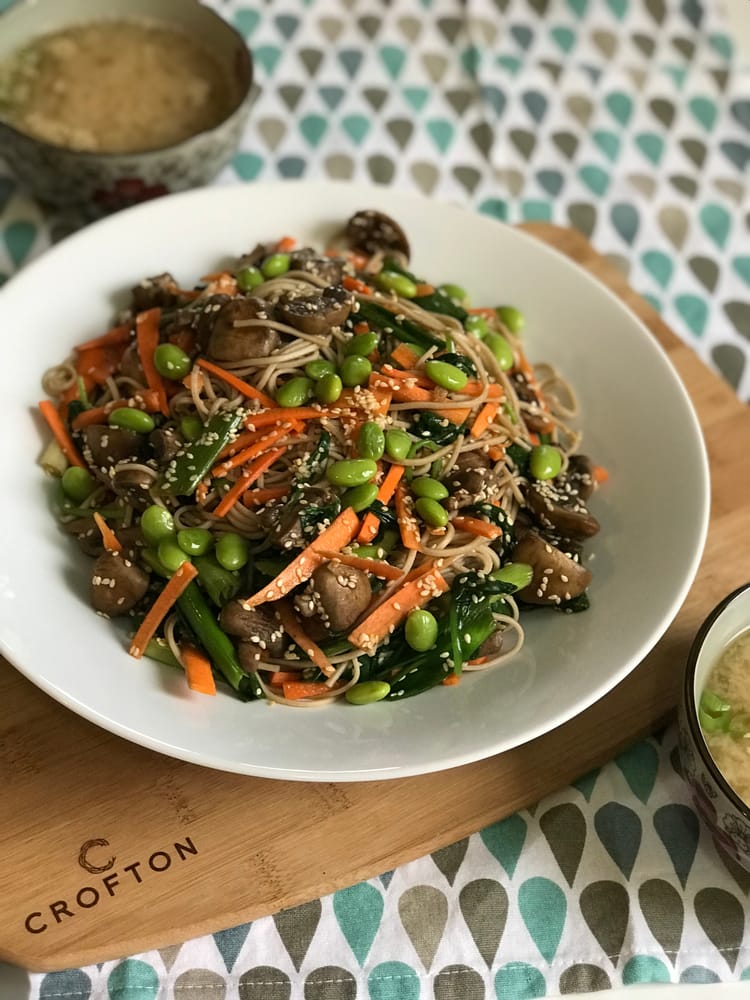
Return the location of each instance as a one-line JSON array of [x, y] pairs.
[[637, 420]]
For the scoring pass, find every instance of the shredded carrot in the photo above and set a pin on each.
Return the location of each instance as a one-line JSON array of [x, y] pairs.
[[109, 539], [476, 526], [295, 630], [251, 452], [407, 523], [147, 338], [147, 400], [472, 388], [97, 363], [451, 679], [403, 355], [486, 415], [184, 339], [295, 690], [355, 285], [198, 670], [601, 475], [279, 677], [534, 438], [377, 567], [175, 586], [285, 244], [241, 441], [361, 327], [408, 375], [220, 283], [358, 260], [496, 452], [331, 539], [402, 392], [117, 335], [288, 414], [424, 289], [254, 471], [479, 660], [485, 311], [256, 498], [371, 525], [414, 593], [60, 433], [236, 383], [201, 492], [525, 367]]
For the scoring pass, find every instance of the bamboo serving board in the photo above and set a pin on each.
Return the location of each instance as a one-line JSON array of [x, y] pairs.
[[109, 849]]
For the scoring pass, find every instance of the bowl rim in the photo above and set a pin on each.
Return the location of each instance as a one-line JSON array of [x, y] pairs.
[[238, 109], [691, 708]]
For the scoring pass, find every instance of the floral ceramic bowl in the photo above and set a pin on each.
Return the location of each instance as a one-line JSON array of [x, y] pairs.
[[104, 182], [725, 813]]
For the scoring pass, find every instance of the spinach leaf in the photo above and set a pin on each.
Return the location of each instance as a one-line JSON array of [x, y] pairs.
[[519, 456], [432, 427], [495, 515], [460, 361], [312, 516]]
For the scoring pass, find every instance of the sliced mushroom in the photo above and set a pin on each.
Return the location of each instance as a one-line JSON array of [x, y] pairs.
[[373, 231], [286, 525], [107, 446], [316, 313], [343, 592], [492, 645], [117, 584], [160, 290], [471, 480], [86, 533], [581, 475], [131, 539], [557, 576], [232, 340], [533, 415], [165, 443], [132, 482], [258, 629], [131, 366], [306, 259], [557, 507]]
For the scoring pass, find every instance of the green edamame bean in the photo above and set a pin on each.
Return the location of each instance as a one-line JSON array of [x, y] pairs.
[[518, 575], [156, 524], [329, 388], [191, 427], [276, 264], [511, 317], [194, 541], [501, 350], [171, 555], [392, 281], [171, 361], [131, 420], [77, 483], [295, 392], [249, 278], [431, 512], [360, 497], [367, 692], [421, 630], [430, 488], [389, 539], [355, 370], [477, 325], [231, 551], [445, 375], [351, 472], [371, 441], [545, 461], [455, 292], [319, 368], [368, 551], [363, 344], [397, 445]]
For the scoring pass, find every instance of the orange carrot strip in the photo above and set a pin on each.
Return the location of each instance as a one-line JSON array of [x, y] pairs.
[[453, 679], [358, 260], [601, 475], [403, 355], [147, 338], [254, 471], [147, 400], [486, 415], [286, 414], [413, 594], [60, 433], [279, 677], [247, 454], [371, 525], [472, 388], [485, 311], [294, 690], [109, 538], [285, 244], [496, 452], [98, 363], [201, 492], [236, 383], [476, 526], [377, 567], [424, 289], [294, 628], [240, 442], [407, 375], [355, 285], [407, 523], [117, 335], [331, 539], [175, 586], [198, 670], [256, 498], [362, 327]]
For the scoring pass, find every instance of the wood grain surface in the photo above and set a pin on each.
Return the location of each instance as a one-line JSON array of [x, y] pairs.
[[109, 849]]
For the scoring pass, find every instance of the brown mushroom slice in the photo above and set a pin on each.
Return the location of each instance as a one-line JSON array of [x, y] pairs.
[[159, 290], [580, 472], [86, 533], [316, 313], [165, 443], [306, 259], [373, 231], [557, 577], [130, 365], [343, 593], [107, 446], [132, 482], [557, 507], [255, 625], [117, 584], [239, 331]]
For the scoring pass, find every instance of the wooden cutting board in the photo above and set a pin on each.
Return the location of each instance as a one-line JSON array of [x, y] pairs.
[[109, 849]]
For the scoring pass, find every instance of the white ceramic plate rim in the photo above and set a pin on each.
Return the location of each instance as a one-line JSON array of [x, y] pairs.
[[339, 199]]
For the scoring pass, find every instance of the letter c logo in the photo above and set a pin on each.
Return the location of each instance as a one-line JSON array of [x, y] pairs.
[[85, 863]]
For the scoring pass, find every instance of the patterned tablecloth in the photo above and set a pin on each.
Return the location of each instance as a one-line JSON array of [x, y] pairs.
[[630, 120]]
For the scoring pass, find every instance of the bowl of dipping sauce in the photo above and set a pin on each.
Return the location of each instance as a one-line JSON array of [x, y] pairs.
[[105, 103], [714, 723]]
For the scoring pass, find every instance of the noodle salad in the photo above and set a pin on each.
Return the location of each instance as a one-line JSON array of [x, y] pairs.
[[319, 476]]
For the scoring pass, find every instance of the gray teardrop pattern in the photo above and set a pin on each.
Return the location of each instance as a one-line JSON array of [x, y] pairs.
[[722, 917], [381, 169], [330, 983], [423, 911], [339, 167], [196, 983], [584, 978], [296, 927], [264, 982], [738, 314], [583, 217], [168, 955], [706, 271], [740, 875], [605, 906], [484, 906], [448, 859], [426, 175], [458, 982], [564, 828], [467, 177], [664, 913]]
